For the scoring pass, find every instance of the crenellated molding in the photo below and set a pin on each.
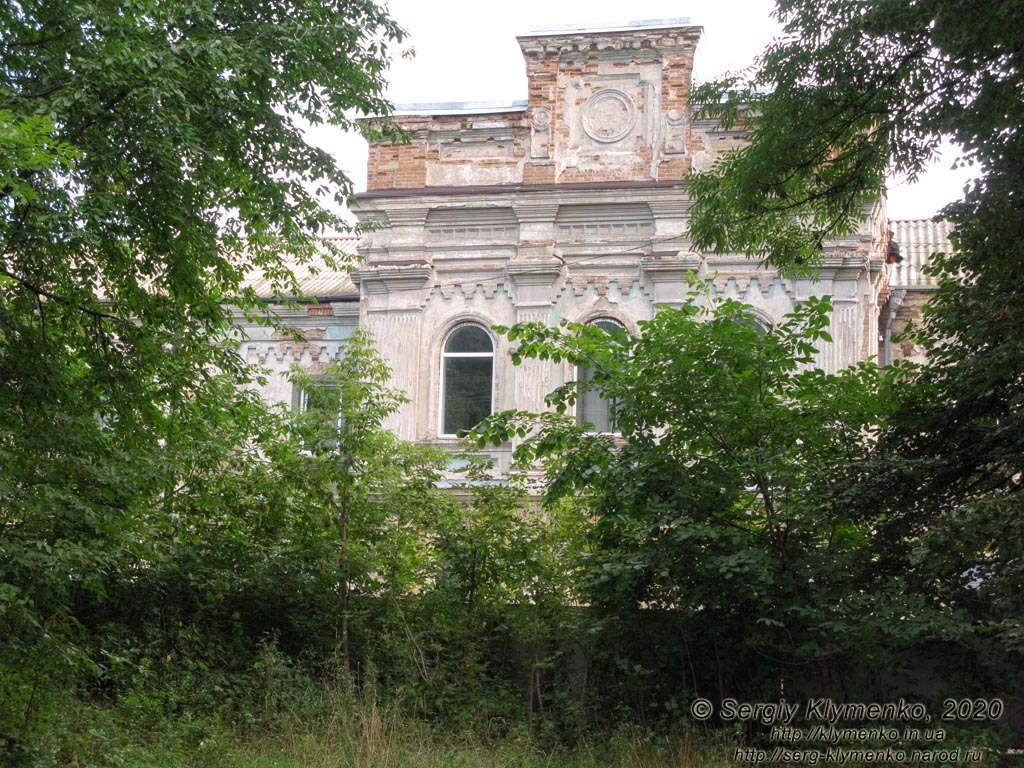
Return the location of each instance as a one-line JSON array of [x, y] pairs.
[[742, 284], [290, 353], [469, 289]]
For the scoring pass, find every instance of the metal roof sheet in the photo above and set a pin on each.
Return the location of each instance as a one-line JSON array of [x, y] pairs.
[[918, 240], [922, 236], [459, 108], [313, 279]]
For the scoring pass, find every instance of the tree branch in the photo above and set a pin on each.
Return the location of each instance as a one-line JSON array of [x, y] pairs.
[[59, 299]]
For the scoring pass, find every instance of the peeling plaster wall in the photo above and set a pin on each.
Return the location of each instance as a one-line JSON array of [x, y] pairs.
[[571, 207], [321, 329]]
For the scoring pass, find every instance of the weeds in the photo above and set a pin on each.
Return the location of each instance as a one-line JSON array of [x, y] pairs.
[[276, 715]]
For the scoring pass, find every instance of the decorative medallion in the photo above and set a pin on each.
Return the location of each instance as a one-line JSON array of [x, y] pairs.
[[608, 115], [540, 136], [675, 132], [541, 119]]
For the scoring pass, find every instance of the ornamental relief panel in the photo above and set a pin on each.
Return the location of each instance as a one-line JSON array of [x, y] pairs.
[[540, 133], [609, 116], [614, 128], [675, 132], [610, 111]]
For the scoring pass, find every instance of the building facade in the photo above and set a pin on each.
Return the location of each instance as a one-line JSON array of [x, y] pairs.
[[571, 205]]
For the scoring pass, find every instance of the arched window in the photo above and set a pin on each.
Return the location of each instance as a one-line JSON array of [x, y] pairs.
[[467, 378], [760, 325], [591, 405]]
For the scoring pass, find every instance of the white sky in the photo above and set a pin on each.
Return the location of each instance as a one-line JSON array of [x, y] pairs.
[[465, 50]]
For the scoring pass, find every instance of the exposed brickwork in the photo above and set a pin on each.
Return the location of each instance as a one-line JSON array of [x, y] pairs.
[[907, 317], [446, 150], [396, 166], [602, 106], [539, 173]]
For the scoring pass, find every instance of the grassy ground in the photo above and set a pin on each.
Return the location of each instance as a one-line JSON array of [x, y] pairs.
[[377, 741], [360, 734]]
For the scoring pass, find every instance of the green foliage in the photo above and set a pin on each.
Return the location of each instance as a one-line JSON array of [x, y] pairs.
[[321, 723], [495, 612], [849, 91], [150, 156], [28, 148], [725, 497], [182, 567], [846, 94], [370, 493]]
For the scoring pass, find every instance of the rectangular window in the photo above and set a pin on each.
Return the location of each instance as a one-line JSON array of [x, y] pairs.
[[320, 419], [592, 408], [467, 392]]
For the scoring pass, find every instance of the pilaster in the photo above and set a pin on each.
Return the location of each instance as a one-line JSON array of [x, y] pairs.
[[665, 276]]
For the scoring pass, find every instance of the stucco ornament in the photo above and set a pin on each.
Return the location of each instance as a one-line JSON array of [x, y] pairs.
[[541, 119], [609, 115]]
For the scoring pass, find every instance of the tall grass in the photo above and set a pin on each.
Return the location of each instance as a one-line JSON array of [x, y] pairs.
[[275, 715], [374, 737]]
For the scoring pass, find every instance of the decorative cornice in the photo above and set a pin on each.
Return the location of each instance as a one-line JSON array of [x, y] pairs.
[[536, 213], [389, 278], [670, 38], [497, 189], [534, 271], [407, 217], [846, 264], [662, 269]]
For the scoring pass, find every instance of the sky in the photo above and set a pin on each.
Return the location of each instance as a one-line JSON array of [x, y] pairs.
[[465, 50]]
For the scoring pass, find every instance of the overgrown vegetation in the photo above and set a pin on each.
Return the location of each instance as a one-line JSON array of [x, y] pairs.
[[726, 498], [850, 91], [190, 578]]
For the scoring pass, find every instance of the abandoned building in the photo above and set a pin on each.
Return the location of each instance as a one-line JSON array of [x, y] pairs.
[[571, 204]]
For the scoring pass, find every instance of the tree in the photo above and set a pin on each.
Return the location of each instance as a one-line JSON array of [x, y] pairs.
[[495, 615], [372, 492], [433, 586], [150, 156], [848, 92], [724, 500]]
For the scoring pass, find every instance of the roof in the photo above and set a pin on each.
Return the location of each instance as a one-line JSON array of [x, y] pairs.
[[459, 108], [918, 239], [314, 280], [924, 236], [575, 29]]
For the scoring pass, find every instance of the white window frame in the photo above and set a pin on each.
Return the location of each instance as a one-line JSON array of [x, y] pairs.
[[445, 355], [300, 403], [759, 321]]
